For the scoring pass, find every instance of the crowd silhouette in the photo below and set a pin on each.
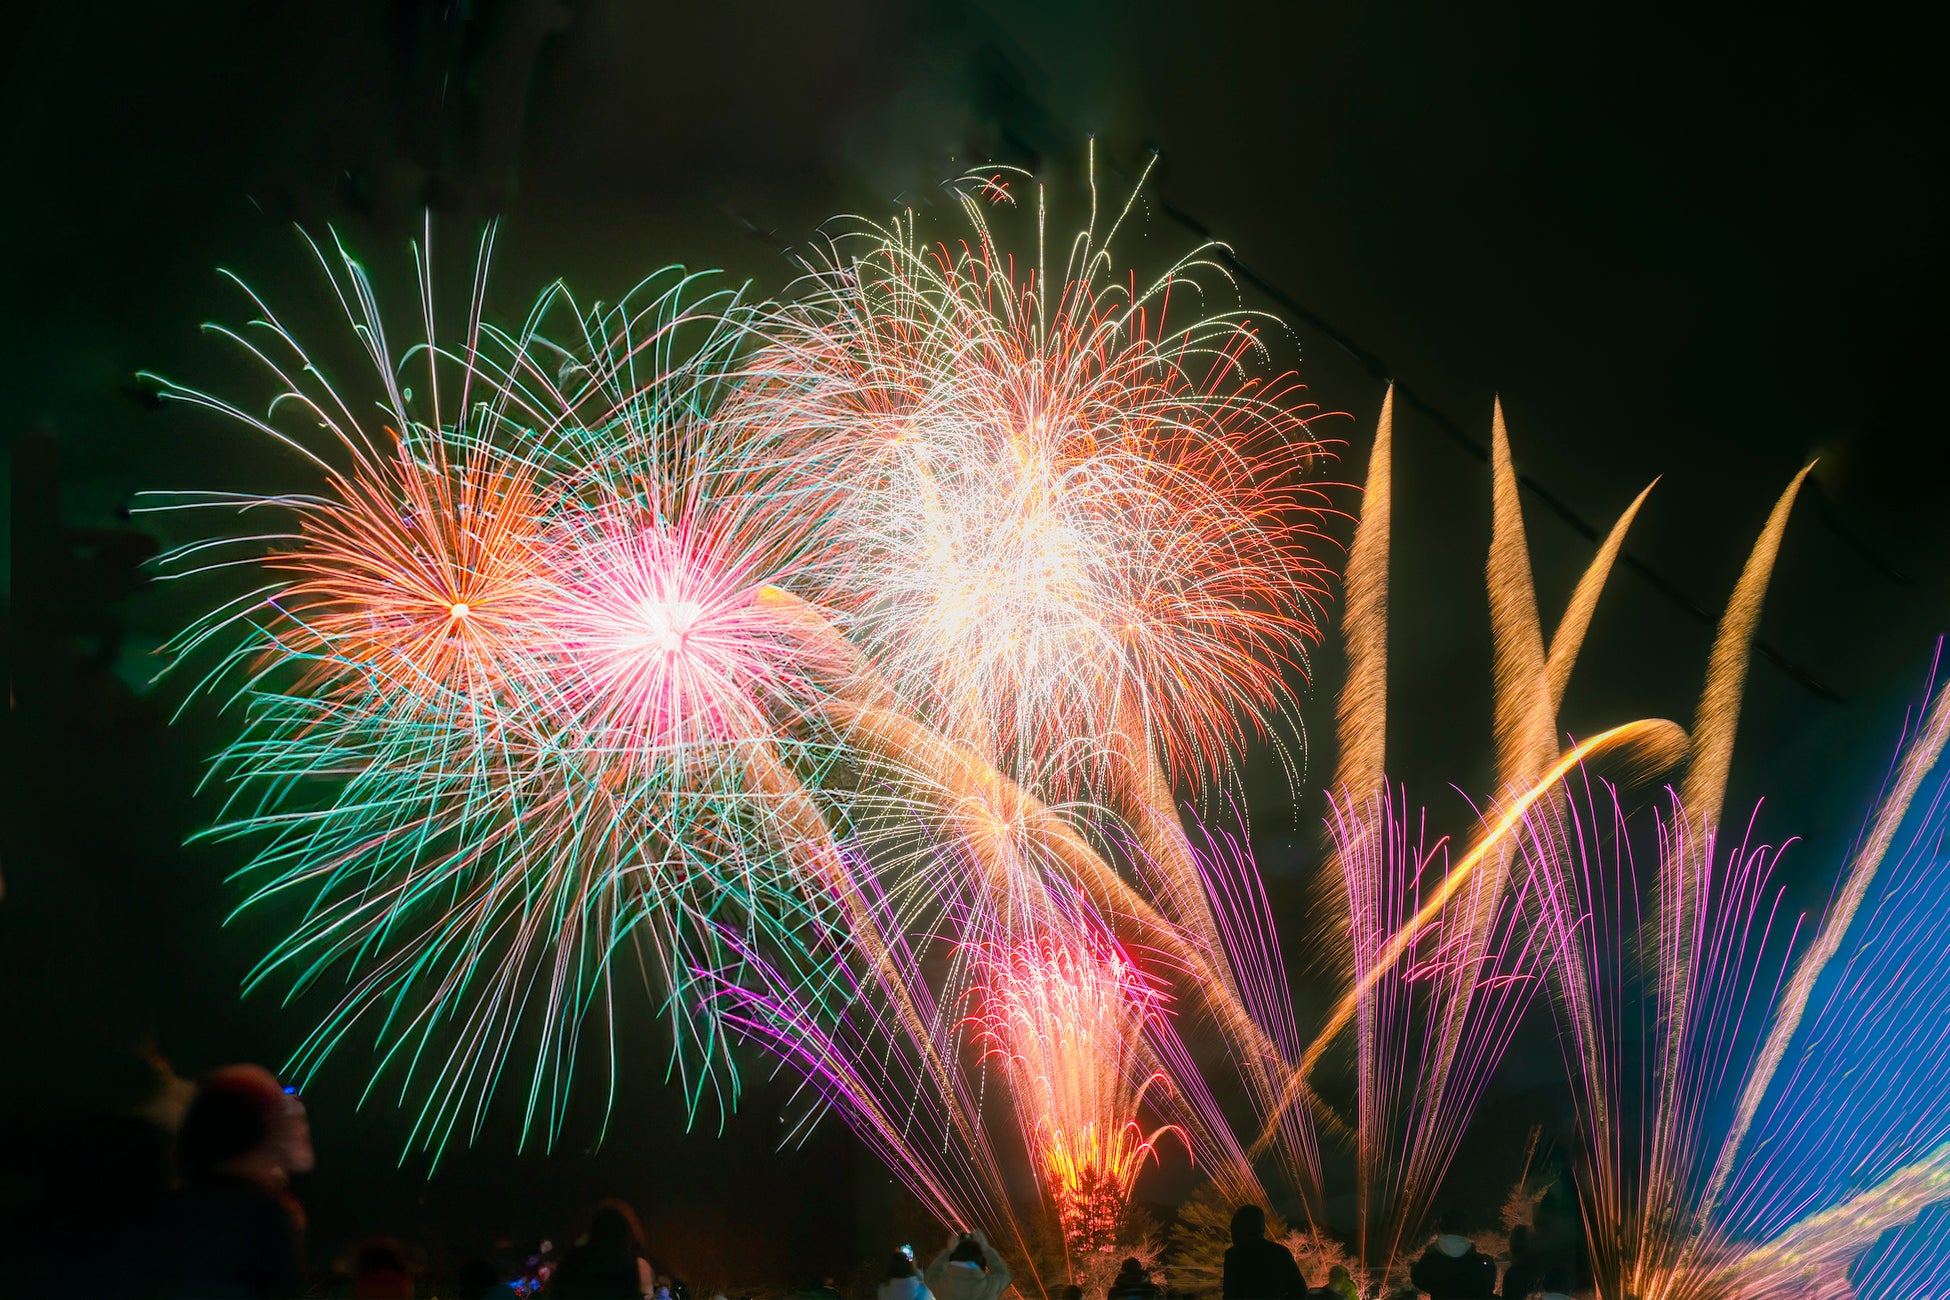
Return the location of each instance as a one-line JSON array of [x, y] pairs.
[[222, 1219]]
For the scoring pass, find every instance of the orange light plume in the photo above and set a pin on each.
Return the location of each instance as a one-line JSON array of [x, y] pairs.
[[1067, 1017]]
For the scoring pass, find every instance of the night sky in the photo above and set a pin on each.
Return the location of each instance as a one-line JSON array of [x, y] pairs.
[[1697, 242]]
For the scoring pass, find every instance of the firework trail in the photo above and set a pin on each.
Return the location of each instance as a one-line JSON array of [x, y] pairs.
[[1703, 791], [1842, 1131], [1644, 1081], [1662, 1217], [1755, 1125], [1860, 876], [1066, 1016], [907, 1075], [1473, 1013], [992, 859], [866, 1065], [1850, 1136], [1442, 963], [995, 861], [1704, 943], [1417, 1081], [503, 681], [1362, 710], [1705, 787], [1076, 548], [1906, 1262]]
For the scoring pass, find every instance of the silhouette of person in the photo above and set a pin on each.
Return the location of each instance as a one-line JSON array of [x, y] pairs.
[[1255, 1268], [1132, 1283], [234, 1228], [1452, 1268]]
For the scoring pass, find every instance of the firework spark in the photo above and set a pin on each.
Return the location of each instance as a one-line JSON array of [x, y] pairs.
[[1075, 542], [1054, 505], [1066, 1017], [502, 682], [1741, 1143]]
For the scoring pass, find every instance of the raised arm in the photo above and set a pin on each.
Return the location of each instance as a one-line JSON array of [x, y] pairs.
[[999, 1275], [932, 1273]]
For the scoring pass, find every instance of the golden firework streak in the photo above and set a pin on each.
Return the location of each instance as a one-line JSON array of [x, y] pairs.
[[1569, 637], [1705, 788], [983, 793], [1363, 710], [1526, 726], [1651, 733], [1830, 1239], [972, 791]]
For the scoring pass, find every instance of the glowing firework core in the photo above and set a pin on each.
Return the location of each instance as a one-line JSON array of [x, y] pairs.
[[1067, 1019], [666, 623]]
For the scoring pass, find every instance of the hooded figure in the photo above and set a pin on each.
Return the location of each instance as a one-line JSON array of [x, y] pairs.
[[1453, 1269], [1132, 1283], [968, 1268], [903, 1280], [610, 1264], [1258, 1269], [234, 1228], [1340, 1284]]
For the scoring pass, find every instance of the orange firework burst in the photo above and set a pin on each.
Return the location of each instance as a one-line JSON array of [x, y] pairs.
[[1067, 1016], [415, 575]]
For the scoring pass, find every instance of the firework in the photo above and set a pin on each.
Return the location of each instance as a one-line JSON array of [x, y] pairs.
[[1421, 1059], [994, 859], [1066, 1016], [1442, 957], [1842, 1131], [872, 1066], [1055, 507], [843, 663], [1776, 1142], [1072, 563], [1845, 1144], [1714, 1168], [1075, 546], [505, 686], [1907, 1262]]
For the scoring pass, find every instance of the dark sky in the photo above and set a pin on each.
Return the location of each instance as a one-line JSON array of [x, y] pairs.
[[1703, 242]]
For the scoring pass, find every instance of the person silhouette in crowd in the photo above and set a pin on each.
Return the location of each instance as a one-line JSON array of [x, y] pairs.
[[380, 1272], [1339, 1285], [1557, 1237], [1452, 1268], [1255, 1268], [1523, 1274], [234, 1228], [903, 1281], [968, 1268], [479, 1279], [610, 1264], [1132, 1283], [1073, 1292], [1531, 1273]]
